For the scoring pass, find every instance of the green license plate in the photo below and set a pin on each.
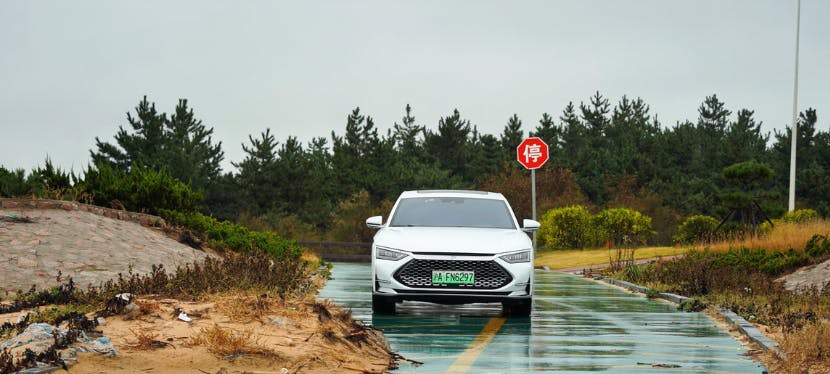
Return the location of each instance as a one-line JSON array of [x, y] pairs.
[[453, 277]]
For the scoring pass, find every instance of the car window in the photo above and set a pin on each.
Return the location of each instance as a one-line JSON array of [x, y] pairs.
[[452, 212]]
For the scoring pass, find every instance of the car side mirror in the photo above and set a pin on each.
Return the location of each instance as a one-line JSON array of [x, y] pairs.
[[375, 222], [530, 225]]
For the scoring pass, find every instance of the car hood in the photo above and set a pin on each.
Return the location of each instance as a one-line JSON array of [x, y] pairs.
[[452, 239]]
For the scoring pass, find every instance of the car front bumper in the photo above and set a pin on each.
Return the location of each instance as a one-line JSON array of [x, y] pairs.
[[408, 279]]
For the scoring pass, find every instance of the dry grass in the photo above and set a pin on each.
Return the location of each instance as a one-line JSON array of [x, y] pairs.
[[148, 306], [588, 257], [146, 340], [782, 237], [226, 343], [808, 349], [246, 308]]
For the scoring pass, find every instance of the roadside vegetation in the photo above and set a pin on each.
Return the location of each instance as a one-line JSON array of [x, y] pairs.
[[741, 275]]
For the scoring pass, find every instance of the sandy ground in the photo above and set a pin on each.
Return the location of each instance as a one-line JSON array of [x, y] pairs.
[[277, 337]]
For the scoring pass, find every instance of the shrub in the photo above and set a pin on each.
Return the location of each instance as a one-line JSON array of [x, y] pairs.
[[623, 226], [818, 246], [289, 227], [254, 271], [348, 220], [695, 229], [13, 183], [141, 190], [44, 182], [568, 227], [232, 236], [801, 216]]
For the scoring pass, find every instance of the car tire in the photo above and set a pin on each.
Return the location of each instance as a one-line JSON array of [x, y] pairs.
[[517, 308], [382, 305]]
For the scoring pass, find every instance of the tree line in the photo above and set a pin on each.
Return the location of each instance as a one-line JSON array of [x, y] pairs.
[[602, 156]]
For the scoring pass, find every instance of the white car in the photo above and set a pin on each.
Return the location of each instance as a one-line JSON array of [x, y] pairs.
[[452, 247]]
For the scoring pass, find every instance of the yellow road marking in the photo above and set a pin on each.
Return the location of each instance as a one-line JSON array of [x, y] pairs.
[[468, 357]]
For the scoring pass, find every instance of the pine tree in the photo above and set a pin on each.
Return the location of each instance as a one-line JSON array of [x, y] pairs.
[[190, 154], [743, 140], [510, 138], [409, 136], [257, 176], [449, 147], [812, 184], [547, 131], [180, 144]]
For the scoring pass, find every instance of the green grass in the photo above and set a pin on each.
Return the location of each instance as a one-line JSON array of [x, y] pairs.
[[588, 257]]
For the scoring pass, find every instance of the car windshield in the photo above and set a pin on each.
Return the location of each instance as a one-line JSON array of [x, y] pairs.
[[452, 212]]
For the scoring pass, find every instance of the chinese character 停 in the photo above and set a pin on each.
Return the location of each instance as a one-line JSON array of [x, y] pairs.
[[532, 151]]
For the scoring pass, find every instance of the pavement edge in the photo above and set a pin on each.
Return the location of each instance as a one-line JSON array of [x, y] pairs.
[[747, 329]]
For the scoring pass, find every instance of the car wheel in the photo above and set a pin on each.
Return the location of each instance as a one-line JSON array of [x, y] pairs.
[[382, 305], [517, 308]]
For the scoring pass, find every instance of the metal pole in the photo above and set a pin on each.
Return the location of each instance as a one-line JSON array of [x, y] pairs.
[[533, 197], [795, 112]]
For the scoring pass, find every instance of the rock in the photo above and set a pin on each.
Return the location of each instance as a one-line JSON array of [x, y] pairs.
[[26, 263], [280, 322], [10, 204], [131, 311], [809, 278]]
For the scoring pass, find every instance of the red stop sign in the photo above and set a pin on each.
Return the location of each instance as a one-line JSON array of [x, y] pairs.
[[532, 153]]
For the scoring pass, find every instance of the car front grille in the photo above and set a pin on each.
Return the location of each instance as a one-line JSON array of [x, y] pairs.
[[418, 274]]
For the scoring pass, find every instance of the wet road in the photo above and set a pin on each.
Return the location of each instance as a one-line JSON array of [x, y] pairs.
[[577, 325]]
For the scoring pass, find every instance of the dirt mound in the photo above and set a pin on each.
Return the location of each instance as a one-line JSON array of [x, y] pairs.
[[38, 244]]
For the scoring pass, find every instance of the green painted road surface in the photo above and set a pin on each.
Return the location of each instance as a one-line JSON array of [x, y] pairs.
[[577, 325]]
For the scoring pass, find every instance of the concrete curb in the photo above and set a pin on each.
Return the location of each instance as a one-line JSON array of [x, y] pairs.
[[747, 329], [751, 332]]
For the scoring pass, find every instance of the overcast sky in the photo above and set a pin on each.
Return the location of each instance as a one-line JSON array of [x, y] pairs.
[[70, 71]]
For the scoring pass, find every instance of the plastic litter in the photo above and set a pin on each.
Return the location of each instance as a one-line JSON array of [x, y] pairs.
[[36, 333], [38, 337], [183, 316], [101, 345]]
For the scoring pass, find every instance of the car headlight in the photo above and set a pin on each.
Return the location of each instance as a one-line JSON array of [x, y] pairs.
[[517, 257], [387, 254]]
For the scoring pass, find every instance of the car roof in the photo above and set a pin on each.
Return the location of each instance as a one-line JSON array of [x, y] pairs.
[[453, 193]]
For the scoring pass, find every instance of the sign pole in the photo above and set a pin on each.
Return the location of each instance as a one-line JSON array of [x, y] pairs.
[[533, 197], [532, 153]]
